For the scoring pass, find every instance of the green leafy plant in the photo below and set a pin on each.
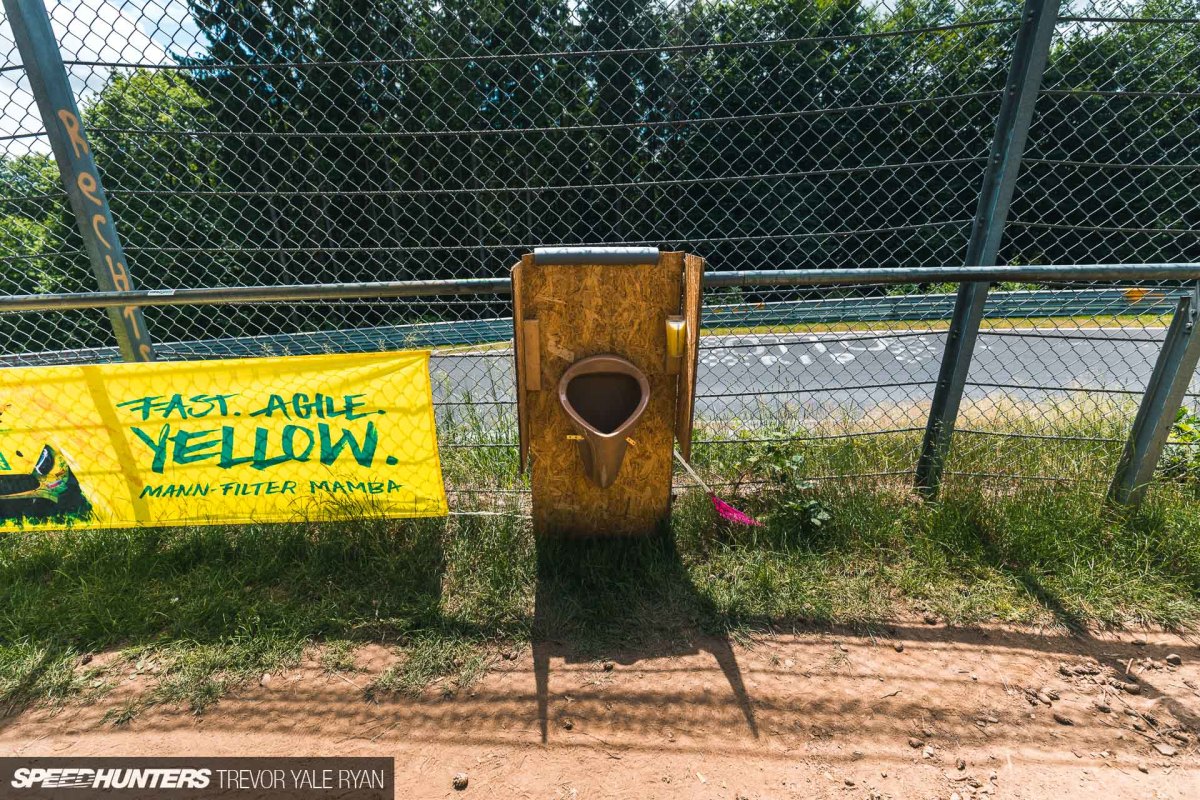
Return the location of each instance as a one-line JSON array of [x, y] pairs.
[[775, 462], [1181, 458], [781, 466], [809, 513]]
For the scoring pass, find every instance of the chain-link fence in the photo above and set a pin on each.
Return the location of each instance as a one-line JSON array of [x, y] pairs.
[[246, 144]]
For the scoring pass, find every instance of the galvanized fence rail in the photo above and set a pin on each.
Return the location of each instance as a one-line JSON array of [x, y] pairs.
[[330, 177], [830, 400]]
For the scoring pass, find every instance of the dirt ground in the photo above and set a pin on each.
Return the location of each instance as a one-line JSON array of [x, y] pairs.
[[908, 712]]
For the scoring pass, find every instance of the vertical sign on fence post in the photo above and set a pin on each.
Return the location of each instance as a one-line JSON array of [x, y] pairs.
[[48, 79], [1164, 395], [1038, 18]]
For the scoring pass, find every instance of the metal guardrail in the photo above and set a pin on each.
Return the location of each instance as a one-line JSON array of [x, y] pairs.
[[843, 310], [778, 279], [991, 135], [916, 307], [1166, 388]]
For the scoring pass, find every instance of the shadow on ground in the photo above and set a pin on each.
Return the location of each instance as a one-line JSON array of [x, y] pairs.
[[626, 600], [236, 597]]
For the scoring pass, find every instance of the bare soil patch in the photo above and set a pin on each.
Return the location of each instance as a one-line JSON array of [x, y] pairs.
[[905, 711]]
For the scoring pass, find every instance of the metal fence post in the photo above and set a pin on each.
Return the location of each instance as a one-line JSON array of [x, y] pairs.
[[51, 88], [1164, 394], [1030, 53]]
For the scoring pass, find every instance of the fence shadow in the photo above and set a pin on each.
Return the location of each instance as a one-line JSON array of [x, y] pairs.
[[78, 593], [625, 600]]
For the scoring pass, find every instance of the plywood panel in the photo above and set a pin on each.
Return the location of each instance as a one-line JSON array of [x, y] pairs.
[[586, 310], [693, 279], [531, 354], [518, 357]]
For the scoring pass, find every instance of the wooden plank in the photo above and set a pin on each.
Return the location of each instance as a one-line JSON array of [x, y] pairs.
[[586, 310], [693, 277], [531, 353], [518, 348]]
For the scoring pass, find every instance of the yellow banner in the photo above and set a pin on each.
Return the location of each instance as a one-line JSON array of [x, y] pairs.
[[247, 440]]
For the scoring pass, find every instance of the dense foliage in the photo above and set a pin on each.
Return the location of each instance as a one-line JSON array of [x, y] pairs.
[[382, 139]]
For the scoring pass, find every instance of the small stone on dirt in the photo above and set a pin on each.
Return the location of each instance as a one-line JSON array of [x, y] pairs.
[[1051, 693], [1174, 660], [265, 679], [460, 781], [1139, 641], [1103, 708], [955, 796], [568, 724], [1063, 719], [1082, 668], [927, 752], [1165, 749], [931, 619], [1044, 699], [915, 743], [961, 764], [849, 781], [899, 646], [608, 666], [87, 658]]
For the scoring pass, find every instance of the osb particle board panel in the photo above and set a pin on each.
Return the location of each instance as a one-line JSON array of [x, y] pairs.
[[582, 311], [519, 353], [693, 277]]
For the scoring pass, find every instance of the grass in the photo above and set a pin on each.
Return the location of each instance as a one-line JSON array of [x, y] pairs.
[[192, 614], [1126, 321], [338, 655], [430, 658]]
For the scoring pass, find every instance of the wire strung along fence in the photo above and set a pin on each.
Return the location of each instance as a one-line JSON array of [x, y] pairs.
[[337, 144]]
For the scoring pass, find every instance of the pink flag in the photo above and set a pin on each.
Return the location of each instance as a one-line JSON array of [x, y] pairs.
[[724, 510], [728, 512]]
